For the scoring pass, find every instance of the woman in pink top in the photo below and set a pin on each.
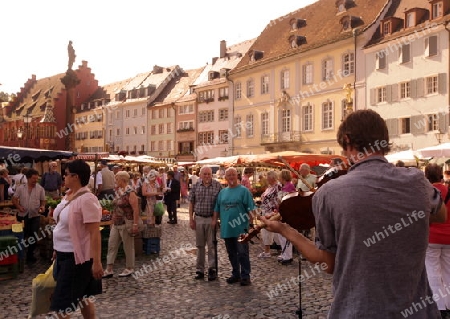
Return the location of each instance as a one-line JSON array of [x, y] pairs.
[[437, 260], [76, 240]]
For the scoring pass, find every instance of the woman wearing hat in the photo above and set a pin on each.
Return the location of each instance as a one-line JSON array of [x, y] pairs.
[[150, 190]]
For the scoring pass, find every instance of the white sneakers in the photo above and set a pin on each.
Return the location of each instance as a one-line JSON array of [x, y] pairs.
[[127, 272], [264, 255]]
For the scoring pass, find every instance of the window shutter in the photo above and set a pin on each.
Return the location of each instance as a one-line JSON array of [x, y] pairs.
[[443, 123], [373, 96], [392, 125], [420, 88], [413, 84], [394, 93], [442, 83], [389, 93], [432, 46], [417, 126]]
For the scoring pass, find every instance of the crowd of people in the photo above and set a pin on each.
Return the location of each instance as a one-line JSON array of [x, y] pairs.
[[382, 230]]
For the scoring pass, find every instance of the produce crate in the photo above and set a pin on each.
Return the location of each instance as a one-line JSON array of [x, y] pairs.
[[152, 245], [20, 247], [11, 259], [9, 271]]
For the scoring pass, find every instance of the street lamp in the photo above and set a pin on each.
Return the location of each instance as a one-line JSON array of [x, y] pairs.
[[19, 134], [27, 119]]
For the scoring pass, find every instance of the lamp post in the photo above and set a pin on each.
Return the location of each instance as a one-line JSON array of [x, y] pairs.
[[19, 135], [27, 119]]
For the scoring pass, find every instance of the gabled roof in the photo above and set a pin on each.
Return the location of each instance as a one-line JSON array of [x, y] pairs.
[[34, 100], [178, 87], [322, 27], [397, 11], [233, 56]]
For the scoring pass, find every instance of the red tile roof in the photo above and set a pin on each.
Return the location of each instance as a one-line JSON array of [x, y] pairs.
[[322, 27]]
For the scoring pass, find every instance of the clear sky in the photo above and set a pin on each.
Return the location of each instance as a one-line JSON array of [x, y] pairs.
[[120, 38]]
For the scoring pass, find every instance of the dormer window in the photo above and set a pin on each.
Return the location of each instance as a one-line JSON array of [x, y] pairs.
[[387, 28], [410, 20], [350, 22], [437, 9], [343, 5], [296, 41], [256, 55], [213, 75], [297, 23]]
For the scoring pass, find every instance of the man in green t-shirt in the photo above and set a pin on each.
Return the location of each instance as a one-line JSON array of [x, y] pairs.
[[234, 204]]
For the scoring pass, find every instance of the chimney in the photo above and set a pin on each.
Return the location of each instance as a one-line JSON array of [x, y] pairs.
[[223, 48]]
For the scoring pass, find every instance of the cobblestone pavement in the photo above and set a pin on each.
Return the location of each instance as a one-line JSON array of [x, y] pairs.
[[169, 290]]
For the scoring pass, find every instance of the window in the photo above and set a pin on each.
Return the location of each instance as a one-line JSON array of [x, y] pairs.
[[386, 27], [223, 94], [437, 9], [186, 109], [381, 60], [143, 110], [249, 127], [127, 113], [285, 79], [432, 84], [381, 94], [161, 113], [169, 145], [265, 123], [160, 145], [169, 128], [327, 115], [406, 125], [410, 20], [118, 132], [238, 126], [238, 89], [110, 118], [307, 118], [433, 122], [143, 129], [405, 90], [135, 112], [206, 138], [223, 114], [186, 125], [135, 129], [206, 116], [186, 147], [264, 84], [327, 69], [206, 96], [154, 115], [431, 46], [161, 128], [153, 146], [153, 129], [223, 137], [348, 64], [285, 121], [117, 115], [110, 134], [405, 53], [307, 73], [142, 148], [250, 88]]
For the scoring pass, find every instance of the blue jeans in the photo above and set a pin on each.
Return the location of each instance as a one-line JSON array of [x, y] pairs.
[[238, 254]]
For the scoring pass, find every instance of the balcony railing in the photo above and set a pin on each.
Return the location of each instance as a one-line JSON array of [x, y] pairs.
[[284, 137]]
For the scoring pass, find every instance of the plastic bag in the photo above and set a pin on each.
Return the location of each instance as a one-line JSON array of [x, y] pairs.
[[43, 286], [158, 209]]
